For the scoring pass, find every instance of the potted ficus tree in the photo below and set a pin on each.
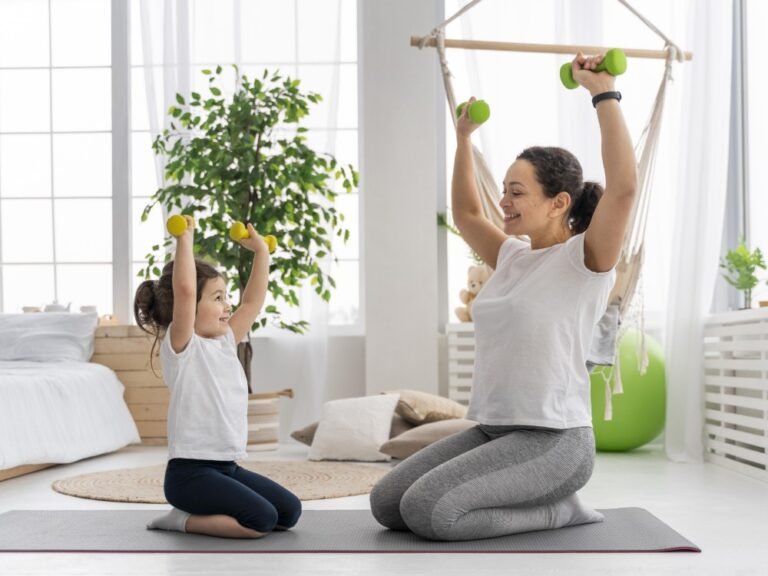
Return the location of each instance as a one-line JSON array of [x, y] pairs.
[[245, 158], [741, 265]]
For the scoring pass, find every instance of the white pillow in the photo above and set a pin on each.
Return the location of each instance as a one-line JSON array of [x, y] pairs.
[[47, 336], [354, 428]]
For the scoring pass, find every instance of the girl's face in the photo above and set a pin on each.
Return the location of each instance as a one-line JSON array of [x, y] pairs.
[[213, 309]]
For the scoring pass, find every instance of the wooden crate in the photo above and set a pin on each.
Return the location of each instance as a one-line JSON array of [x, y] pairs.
[[263, 423], [736, 391], [264, 419], [461, 360], [126, 349]]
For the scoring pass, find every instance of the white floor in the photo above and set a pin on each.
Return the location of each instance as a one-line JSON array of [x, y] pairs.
[[723, 512]]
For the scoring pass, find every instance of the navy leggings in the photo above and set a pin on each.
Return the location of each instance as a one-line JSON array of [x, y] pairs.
[[205, 487]]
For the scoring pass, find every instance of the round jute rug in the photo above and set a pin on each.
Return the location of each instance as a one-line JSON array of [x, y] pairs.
[[308, 480]]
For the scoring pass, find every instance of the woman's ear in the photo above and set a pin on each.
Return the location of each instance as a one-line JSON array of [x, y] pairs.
[[561, 204]]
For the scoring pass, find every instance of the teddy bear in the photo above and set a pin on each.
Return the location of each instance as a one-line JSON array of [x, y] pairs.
[[477, 276]]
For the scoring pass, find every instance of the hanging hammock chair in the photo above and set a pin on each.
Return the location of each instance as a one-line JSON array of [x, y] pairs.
[[618, 317]]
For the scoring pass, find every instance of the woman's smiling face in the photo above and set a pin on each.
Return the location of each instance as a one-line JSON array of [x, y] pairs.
[[523, 202]]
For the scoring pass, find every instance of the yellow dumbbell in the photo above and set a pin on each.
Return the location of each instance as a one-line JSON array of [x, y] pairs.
[[238, 231], [177, 225]]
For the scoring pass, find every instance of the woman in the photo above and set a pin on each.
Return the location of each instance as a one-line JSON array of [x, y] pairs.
[[519, 469]]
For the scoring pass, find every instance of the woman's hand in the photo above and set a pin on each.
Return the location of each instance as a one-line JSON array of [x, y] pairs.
[[255, 243], [583, 72], [465, 126]]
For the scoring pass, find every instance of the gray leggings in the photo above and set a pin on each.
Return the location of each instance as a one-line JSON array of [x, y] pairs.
[[484, 482]]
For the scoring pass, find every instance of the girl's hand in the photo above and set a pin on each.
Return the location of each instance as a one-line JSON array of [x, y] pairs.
[[190, 231], [465, 126], [255, 243], [583, 72]]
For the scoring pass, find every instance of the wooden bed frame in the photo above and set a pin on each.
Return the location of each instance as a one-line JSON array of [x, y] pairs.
[[9, 473]]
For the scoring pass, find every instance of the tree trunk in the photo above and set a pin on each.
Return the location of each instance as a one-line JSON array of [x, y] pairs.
[[245, 354]]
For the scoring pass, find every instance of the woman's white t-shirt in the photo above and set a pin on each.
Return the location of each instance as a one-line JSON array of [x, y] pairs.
[[534, 320], [208, 411]]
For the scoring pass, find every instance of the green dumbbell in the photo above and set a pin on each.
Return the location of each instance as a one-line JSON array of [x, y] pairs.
[[614, 62], [478, 112]]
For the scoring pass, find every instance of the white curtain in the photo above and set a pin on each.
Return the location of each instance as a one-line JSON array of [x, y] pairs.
[[281, 360], [165, 48], [529, 107], [698, 213]]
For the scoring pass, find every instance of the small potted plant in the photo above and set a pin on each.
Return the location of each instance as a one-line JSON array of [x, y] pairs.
[[741, 265]]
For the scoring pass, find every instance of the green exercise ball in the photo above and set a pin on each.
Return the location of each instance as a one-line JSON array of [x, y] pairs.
[[638, 413]]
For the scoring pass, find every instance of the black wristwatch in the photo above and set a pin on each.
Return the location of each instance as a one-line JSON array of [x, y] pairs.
[[597, 98]]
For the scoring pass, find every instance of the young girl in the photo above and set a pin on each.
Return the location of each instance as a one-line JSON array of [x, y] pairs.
[[207, 417], [533, 448]]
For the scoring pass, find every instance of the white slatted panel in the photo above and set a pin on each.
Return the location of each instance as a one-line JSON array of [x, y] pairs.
[[736, 391], [461, 360]]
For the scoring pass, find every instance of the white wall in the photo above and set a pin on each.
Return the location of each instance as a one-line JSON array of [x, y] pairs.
[[401, 123]]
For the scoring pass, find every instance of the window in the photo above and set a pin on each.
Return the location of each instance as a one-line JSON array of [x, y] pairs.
[[757, 137], [56, 129], [55, 161]]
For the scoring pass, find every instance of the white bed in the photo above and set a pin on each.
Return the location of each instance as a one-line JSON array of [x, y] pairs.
[[55, 406], [60, 412]]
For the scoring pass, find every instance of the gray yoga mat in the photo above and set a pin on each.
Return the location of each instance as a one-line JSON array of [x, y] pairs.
[[624, 530]]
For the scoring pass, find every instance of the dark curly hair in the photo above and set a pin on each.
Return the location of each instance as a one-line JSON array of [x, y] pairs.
[[153, 303], [557, 170]]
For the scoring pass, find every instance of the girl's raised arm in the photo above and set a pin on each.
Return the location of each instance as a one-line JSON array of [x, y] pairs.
[[184, 290], [255, 290]]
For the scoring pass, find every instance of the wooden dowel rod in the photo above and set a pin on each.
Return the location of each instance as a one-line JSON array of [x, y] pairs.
[[570, 50]]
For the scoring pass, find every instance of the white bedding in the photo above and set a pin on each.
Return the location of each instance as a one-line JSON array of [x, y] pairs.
[[60, 412]]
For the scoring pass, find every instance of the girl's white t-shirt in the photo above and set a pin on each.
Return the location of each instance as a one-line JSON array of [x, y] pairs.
[[534, 320], [208, 411]]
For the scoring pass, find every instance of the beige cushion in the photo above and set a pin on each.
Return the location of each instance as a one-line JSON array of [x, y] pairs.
[[353, 429], [307, 434], [417, 438], [421, 407]]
